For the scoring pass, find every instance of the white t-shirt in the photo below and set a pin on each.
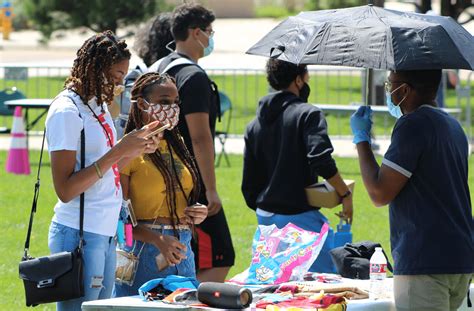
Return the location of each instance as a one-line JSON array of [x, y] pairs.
[[63, 132]]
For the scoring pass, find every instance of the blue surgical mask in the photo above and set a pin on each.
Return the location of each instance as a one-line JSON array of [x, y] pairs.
[[208, 50], [393, 109], [210, 47]]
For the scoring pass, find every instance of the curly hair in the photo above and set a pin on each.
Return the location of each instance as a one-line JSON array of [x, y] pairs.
[[141, 90], [280, 74], [189, 15], [90, 72], [151, 39]]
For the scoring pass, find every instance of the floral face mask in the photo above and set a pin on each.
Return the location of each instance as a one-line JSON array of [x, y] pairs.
[[165, 113]]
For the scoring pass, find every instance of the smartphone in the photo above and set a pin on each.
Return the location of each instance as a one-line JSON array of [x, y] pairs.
[[133, 218], [157, 131], [198, 205]]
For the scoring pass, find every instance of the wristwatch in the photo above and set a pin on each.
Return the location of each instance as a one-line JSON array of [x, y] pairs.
[[345, 195]]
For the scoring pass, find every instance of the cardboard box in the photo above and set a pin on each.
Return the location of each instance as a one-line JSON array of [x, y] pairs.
[[324, 195]]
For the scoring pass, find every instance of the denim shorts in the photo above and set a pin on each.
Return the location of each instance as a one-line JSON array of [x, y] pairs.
[[147, 269], [99, 262]]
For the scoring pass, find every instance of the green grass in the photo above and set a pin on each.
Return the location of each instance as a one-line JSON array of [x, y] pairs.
[[244, 90], [370, 223]]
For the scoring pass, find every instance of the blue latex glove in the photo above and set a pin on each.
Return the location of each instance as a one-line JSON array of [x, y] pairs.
[[361, 124]]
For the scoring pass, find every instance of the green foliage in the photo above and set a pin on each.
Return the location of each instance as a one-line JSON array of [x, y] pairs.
[[98, 15], [334, 4], [273, 11], [19, 20]]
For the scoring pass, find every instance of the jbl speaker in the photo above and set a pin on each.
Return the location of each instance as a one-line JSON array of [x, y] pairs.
[[226, 296]]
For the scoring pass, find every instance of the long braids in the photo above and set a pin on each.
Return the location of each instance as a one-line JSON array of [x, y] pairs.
[[89, 75], [141, 90]]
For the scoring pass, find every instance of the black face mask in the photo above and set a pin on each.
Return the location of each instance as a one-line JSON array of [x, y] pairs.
[[304, 92]]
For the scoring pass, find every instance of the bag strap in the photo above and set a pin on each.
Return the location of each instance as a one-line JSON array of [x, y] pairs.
[[37, 189], [177, 62], [82, 197], [185, 61], [35, 201]]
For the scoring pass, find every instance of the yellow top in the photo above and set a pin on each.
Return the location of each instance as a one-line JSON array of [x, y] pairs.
[[147, 189]]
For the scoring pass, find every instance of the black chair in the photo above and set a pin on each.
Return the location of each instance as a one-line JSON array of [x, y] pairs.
[[8, 94], [226, 114]]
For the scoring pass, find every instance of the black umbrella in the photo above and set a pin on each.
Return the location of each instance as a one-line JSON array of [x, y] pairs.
[[370, 37]]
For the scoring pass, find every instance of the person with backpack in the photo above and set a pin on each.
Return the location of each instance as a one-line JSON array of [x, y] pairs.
[[152, 42], [191, 27], [79, 116]]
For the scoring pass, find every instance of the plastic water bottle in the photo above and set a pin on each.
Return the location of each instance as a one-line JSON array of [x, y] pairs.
[[378, 273]]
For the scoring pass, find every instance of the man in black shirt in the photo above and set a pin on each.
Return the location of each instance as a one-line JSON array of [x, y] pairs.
[[192, 30]]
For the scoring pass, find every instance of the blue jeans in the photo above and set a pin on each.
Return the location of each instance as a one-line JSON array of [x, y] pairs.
[[99, 262], [310, 221], [147, 269]]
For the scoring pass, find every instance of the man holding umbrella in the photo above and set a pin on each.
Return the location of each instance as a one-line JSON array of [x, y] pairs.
[[424, 179], [424, 173]]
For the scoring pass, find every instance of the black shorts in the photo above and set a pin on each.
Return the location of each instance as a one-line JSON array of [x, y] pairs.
[[213, 247]]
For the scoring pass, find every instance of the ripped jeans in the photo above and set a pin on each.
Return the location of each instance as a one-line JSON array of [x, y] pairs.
[[99, 262]]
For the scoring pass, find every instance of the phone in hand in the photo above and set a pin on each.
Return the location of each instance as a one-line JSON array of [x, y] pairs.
[[198, 205], [161, 262], [157, 131]]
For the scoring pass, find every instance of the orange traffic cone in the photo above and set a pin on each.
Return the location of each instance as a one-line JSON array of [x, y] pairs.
[[17, 160]]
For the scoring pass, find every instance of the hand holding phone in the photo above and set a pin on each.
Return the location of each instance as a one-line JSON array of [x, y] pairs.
[[196, 213], [157, 131]]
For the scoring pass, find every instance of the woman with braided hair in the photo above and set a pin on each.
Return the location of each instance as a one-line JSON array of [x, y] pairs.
[[79, 117], [162, 187]]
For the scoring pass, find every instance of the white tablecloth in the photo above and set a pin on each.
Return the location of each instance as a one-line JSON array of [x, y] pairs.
[[135, 303]]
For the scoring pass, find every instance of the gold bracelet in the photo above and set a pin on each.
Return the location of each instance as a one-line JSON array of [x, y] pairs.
[[97, 170]]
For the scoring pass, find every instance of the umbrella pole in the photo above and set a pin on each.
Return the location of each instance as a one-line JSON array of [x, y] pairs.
[[369, 90], [369, 84]]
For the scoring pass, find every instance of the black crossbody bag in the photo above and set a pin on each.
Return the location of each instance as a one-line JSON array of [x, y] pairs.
[[56, 277]]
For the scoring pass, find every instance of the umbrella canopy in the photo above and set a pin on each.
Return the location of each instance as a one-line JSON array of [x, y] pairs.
[[370, 37]]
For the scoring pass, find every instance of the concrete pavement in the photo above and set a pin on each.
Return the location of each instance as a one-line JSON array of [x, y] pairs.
[[343, 146]]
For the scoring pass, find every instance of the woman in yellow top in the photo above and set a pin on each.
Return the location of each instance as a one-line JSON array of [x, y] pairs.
[[161, 186]]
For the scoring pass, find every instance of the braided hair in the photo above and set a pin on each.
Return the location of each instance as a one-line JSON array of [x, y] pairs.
[[90, 72], [141, 90]]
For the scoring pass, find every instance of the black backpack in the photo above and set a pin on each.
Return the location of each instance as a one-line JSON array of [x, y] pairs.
[[353, 259]]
